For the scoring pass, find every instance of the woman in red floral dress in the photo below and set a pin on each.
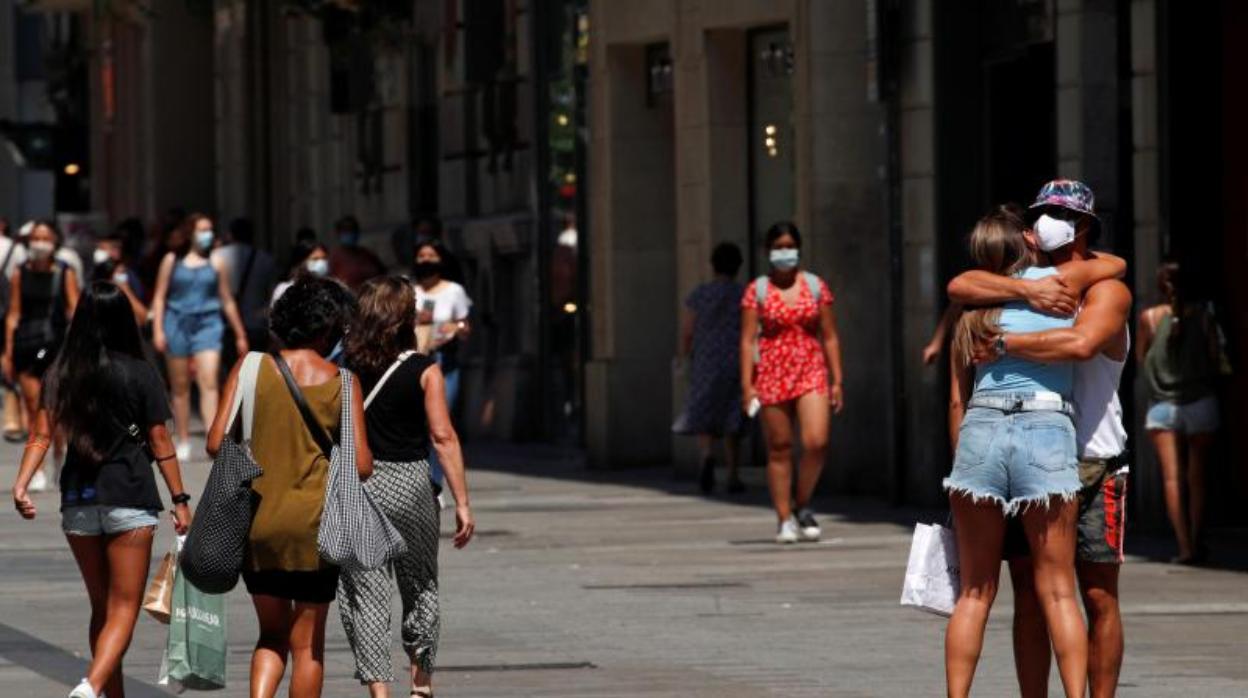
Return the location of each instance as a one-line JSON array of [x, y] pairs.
[[788, 316]]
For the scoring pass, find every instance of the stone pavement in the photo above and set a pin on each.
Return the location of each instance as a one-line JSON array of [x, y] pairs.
[[627, 584]]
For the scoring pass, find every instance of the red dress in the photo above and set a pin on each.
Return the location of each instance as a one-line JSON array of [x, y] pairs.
[[791, 361]]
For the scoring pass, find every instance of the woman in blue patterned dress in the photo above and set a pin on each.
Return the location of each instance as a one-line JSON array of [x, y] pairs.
[[711, 339]]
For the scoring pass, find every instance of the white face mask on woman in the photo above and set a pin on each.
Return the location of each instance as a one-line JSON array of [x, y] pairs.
[[784, 259], [41, 250], [317, 267]]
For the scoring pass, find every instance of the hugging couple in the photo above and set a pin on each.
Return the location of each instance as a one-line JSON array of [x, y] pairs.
[[1039, 475]]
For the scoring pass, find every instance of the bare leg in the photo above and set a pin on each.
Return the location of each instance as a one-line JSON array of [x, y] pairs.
[[32, 388], [1167, 445], [207, 368], [126, 558], [180, 393], [778, 428], [1031, 635], [979, 528], [12, 412], [1197, 451], [307, 649], [1099, 584], [813, 414], [92, 557], [705, 446], [1051, 536], [268, 661], [378, 689]]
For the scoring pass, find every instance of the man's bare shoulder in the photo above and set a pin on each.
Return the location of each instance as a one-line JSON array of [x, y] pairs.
[[1108, 290]]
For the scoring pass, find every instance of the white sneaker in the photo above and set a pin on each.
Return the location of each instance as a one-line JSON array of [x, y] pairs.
[[83, 690], [809, 528], [38, 482], [184, 451], [788, 532]]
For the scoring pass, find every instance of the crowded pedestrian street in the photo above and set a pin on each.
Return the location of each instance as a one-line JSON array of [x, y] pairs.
[[586, 583]]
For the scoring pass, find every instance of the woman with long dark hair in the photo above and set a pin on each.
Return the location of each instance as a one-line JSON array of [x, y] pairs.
[[42, 296], [192, 293], [407, 413], [109, 403], [787, 321], [290, 585], [1180, 353]]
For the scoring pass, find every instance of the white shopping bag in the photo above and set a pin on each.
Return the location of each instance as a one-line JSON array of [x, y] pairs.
[[932, 581]]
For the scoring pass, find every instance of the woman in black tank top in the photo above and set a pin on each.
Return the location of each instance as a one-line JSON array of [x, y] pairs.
[[405, 414], [42, 296]]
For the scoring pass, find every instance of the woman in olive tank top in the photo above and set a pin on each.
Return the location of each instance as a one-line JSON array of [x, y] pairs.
[[291, 587], [1180, 354]]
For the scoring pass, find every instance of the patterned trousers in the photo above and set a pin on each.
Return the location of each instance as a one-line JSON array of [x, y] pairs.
[[403, 492]]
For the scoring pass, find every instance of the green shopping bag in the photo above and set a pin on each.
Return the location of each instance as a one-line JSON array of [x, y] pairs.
[[195, 654]]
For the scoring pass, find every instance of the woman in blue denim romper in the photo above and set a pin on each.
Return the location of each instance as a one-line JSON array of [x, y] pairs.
[[1015, 454], [192, 293]]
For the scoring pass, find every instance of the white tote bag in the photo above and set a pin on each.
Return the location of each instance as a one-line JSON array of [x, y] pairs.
[[932, 580]]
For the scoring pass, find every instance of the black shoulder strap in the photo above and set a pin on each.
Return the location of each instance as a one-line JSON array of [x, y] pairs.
[[319, 435]]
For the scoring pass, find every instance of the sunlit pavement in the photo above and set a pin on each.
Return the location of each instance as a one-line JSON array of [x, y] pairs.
[[629, 584]]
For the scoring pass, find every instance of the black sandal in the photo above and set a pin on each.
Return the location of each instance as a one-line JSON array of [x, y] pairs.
[[421, 693]]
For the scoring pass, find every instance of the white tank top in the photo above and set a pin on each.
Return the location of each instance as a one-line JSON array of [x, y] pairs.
[[1098, 412]]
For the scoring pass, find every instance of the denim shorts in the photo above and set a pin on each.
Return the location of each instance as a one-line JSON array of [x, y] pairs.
[[1199, 417], [103, 520], [190, 333], [1015, 458]]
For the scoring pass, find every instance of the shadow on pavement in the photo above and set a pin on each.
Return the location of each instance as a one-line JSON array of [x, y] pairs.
[[1228, 547]]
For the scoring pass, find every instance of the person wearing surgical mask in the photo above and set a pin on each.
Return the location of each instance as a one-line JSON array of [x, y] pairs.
[[42, 297], [791, 370], [307, 258], [108, 264], [192, 294]]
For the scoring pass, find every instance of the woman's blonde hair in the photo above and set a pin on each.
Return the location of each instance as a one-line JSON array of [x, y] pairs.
[[997, 245]]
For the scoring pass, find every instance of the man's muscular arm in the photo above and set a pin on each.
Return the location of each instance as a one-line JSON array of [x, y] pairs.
[[1057, 294], [1106, 308]]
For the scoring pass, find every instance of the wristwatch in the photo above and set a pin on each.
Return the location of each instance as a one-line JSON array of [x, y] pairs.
[[999, 345], [180, 498]]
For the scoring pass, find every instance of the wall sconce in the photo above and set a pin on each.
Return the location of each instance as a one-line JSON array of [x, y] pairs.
[[771, 140], [777, 58]]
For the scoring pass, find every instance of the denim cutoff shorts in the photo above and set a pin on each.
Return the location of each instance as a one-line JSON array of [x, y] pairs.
[[103, 520], [1199, 417], [1015, 458], [190, 333]]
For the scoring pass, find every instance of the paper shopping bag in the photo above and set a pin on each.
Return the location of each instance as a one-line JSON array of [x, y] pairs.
[[159, 594], [195, 653], [932, 581]]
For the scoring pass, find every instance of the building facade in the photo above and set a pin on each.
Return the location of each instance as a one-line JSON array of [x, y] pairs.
[[903, 121]]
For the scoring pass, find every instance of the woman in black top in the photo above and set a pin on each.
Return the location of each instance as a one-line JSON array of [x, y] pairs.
[[42, 296], [406, 414], [109, 403]]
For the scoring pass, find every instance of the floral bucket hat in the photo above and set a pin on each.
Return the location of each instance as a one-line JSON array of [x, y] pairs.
[[1071, 195]]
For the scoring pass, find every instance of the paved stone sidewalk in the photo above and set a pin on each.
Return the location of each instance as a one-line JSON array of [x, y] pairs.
[[627, 584]]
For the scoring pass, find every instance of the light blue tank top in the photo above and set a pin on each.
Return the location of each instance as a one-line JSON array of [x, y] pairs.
[[1010, 374], [193, 290]]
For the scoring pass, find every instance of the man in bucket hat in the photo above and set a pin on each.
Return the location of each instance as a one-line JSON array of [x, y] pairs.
[[1064, 224]]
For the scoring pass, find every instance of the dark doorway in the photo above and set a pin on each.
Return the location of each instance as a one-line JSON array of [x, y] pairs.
[[1020, 134]]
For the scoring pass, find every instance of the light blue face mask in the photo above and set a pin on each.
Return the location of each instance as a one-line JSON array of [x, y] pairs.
[[784, 259], [204, 238]]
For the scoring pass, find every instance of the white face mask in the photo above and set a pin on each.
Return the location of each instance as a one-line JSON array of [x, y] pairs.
[[1054, 233], [101, 256], [40, 250], [317, 267]]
